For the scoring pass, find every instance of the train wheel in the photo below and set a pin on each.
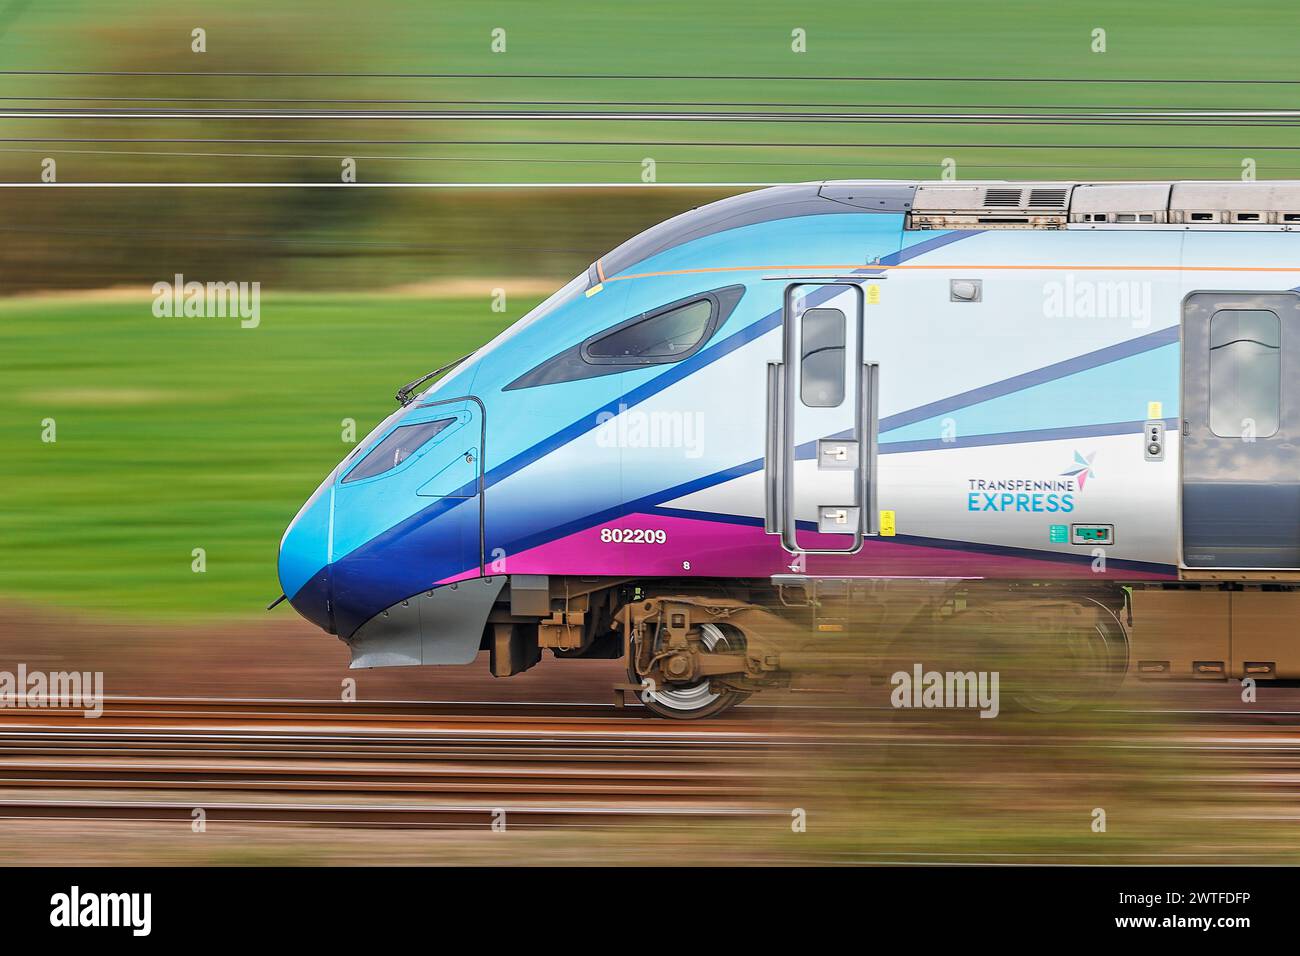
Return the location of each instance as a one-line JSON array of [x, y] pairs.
[[1065, 657], [693, 701]]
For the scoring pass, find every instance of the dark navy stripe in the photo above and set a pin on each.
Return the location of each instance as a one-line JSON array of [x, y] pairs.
[[747, 520]]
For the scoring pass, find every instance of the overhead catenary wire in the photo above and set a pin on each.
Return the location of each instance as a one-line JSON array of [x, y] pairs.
[[1207, 119], [744, 144], [963, 115], [598, 161], [689, 77], [602, 102]]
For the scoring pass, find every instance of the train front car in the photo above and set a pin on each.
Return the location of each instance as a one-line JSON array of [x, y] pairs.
[[822, 427], [511, 505], [366, 556]]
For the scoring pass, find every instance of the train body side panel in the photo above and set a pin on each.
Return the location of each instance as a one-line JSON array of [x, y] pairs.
[[551, 490], [1004, 423], [1008, 425]]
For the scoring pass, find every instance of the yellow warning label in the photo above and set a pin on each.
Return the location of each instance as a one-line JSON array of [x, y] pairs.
[[873, 294], [594, 289], [886, 524], [1155, 410]]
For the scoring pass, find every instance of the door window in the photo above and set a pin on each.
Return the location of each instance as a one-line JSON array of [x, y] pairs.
[[1245, 373], [821, 358]]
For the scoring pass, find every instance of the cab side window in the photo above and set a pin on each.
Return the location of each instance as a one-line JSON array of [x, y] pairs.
[[402, 442], [660, 336]]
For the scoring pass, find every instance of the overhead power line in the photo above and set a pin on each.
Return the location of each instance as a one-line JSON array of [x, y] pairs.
[[692, 77], [1154, 118], [948, 146]]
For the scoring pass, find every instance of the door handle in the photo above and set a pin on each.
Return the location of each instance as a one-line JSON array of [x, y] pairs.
[[773, 470], [869, 429]]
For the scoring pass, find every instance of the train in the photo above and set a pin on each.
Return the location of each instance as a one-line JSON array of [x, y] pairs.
[[787, 427]]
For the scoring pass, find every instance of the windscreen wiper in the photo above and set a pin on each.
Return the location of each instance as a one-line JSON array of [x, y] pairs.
[[405, 392]]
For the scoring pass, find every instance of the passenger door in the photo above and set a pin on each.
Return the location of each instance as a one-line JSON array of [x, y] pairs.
[[1241, 430], [821, 423]]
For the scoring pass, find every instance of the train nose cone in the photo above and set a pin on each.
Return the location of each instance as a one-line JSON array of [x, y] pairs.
[[304, 565]]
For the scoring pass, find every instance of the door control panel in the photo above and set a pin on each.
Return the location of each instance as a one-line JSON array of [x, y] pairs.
[[1153, 440]]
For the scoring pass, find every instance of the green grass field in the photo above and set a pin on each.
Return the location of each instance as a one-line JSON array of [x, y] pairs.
[[175, 434]]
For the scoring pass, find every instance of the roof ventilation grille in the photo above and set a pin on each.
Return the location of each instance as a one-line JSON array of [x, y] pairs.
[[1054, 198], [1002, 197]]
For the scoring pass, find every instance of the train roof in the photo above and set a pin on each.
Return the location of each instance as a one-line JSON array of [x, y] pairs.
[[981, 205], [1052, 204]]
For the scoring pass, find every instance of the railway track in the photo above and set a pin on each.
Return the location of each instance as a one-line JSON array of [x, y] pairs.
[[528, 765], [384, 764]]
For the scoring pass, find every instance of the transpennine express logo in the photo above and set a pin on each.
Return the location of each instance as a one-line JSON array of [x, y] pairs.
[[1082, 469], [1038, 495]]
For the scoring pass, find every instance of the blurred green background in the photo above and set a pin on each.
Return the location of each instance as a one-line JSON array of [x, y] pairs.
[[182, 433]]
